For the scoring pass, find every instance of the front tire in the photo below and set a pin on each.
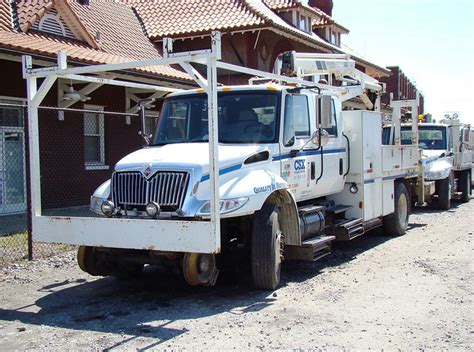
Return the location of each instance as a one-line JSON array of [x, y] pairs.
[[465, 186], [444, 193], [396, 224], [266, 248]]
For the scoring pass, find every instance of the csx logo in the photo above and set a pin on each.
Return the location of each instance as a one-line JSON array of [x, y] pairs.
[[299, 165]]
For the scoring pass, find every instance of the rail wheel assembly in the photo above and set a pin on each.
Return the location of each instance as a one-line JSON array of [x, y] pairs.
[[200, 269], [87, 260]]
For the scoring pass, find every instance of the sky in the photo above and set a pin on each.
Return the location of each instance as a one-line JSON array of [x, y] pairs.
[[431, 40]]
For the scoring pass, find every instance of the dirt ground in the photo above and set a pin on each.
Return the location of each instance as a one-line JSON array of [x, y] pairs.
[[411, 292]]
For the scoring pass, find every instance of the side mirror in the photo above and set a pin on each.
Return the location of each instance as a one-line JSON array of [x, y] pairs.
[[142, 106], [323, 134], [323, 111]]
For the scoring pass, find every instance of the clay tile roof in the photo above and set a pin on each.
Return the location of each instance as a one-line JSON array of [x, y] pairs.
[[121, 35], [173, 18], [180, 18], [5, 16], [322, 18], [280, 4], [29, 11], [118, 28], [43, 44]]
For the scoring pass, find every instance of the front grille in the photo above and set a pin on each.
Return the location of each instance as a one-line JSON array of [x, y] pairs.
[[166, 188]]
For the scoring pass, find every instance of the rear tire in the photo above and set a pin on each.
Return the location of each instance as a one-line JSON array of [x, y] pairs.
[[396, 224], [465, 186], [443, 188], [266, 248]]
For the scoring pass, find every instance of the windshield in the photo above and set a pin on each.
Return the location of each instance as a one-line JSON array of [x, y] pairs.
[[244, 117], [430, 137]]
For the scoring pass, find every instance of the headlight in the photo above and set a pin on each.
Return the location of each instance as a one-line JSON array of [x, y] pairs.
[[96, 204], [108, 208], [437, 171], [152, 209], [435, 175], [225, 206]]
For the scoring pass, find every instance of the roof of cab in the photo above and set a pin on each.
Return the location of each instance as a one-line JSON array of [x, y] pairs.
[[261, 87]]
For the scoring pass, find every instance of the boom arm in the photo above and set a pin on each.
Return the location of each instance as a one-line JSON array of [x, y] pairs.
[[355, 83]]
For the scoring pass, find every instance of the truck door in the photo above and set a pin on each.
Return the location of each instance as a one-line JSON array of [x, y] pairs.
[[295, 167], [307, 175], [331, 168]]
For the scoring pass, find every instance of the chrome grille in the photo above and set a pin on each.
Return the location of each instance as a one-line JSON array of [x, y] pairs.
[[166, 188]]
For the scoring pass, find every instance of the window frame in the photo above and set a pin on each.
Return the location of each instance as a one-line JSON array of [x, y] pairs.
[[302, 23], [334, 114], [21, 101], [96, 165], [285, 119]]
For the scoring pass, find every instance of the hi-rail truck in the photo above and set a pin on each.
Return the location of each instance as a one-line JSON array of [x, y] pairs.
[[242, 176], [446, 159]]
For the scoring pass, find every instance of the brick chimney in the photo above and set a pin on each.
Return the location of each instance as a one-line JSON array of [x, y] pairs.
[[324, 5]]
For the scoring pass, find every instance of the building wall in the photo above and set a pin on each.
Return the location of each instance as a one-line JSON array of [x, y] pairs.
[[248, 49], [401, 87], [12, 83], [64, 178]]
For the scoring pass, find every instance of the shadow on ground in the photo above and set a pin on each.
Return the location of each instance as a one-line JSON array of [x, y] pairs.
[[148, 305], [433, 209]]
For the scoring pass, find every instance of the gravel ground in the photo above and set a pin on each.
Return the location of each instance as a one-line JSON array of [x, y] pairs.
[[376, 292]]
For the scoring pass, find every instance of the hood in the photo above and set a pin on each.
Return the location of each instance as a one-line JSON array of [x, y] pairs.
[[432, 153], [186, 155], [434, 156]]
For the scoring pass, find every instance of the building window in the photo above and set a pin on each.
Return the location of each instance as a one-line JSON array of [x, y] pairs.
[[303, 23], [11, 115], [333, 38], [94, 138]]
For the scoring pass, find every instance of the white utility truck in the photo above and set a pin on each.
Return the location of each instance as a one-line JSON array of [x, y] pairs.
[[446, 159], [243, 175]]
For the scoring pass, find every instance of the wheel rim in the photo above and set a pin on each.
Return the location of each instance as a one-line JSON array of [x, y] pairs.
[[403, 210]]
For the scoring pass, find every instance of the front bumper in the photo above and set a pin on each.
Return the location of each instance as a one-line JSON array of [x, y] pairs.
[[148, 234]]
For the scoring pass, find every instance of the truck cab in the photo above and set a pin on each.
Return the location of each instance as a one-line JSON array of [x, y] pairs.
[[265, 144]]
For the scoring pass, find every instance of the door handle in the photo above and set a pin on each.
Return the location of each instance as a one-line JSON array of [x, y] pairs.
[[348, 155]]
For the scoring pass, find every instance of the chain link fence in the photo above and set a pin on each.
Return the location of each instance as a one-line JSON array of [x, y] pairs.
[[78, 151], [13, 223]]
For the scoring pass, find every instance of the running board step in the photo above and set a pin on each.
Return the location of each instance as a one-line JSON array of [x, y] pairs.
[[310, 250], [348, 229], [338, 209]]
